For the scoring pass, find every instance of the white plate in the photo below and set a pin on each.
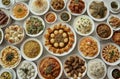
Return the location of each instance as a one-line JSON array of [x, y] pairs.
[[70, 50]]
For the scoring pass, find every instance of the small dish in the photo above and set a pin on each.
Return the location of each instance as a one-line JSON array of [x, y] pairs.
[[110, 54], [71, 68], [51, 65], [114, 6], [31, 49], [14, 34], [10, 71], [114, 22], [116, 37], [27, 70], [65, 16], [58, 5], [84, 25], [100, 14], [80, 4], [104, 31], [98, 68], [1, 36], [89, 47], [59, 39], [31, 28], [111, 70], [6, 74], [50, 17], [19, 11], [10, 57], [4, 18], [39, 7]]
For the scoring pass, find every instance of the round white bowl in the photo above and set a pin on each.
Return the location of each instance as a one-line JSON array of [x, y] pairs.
[[118, 28], [88, 57], [11, 71], [58, 10], [16, 64], [11, 11], [85, 66], [35, 13], [98, 60], [2, 36], [9, 19], [108, 63], [67, 13], [76, 14], [32, 63], [92, 29], [53, 21], [70, 50], [34, 35], [102, 19], [61, 71], [107, 37], [22, 49], [110, 70]]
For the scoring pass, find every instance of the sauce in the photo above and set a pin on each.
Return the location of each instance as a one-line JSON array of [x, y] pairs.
[[65, 16], [50, 17], [116, 73]]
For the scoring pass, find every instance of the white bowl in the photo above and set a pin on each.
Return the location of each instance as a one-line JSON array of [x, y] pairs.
[[101, 37], [88, 57], [58, 10], [16, 64], [108, 63], [110, 69], [70, 50], [35, 13], [9, 19], [11, 11], [118, 28], [76, 14], [112, 10], [54, 20], [2, 36], [61, 71], [34, 35], [11, 71], [92, 22], [67, 13], [22, 49], [85, 66], [102, 19], [98, 60], [32, 63]]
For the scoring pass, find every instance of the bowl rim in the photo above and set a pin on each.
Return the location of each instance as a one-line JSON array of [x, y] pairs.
[[35, 13], [58, 10], [85, 72], [108, 63], [112, 15], [73, 46], [67, 13], [28, 58], [34, 35], [100, 60], [56, 58], [102, 19], [2, 36], [26, 61], [16, 43], [110, 29], [19, 19], [17, 63], [77, 14], [52, 13], [98, 44], [92, 29]]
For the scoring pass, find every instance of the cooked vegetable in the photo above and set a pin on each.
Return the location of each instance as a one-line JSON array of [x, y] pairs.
[[114, 5], [6, 2], [34, 25], [5, 75], [64, 16], [116, 73]]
